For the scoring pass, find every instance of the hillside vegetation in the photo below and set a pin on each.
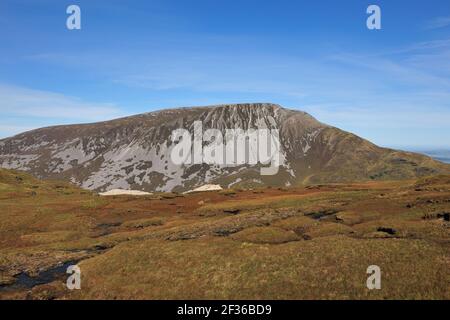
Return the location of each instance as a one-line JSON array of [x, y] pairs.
[[313, 242]]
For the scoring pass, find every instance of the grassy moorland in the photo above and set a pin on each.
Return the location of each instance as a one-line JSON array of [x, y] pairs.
[[298, 243]]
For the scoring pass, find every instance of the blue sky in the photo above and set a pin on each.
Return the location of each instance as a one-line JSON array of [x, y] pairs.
[[391, 86]]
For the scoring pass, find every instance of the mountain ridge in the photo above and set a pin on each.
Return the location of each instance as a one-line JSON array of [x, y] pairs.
[[134, 151]]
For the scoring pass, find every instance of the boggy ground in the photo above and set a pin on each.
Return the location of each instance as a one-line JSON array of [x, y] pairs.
[[298, 243]]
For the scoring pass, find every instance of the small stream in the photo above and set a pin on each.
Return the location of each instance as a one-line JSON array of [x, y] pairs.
[[25, 281]]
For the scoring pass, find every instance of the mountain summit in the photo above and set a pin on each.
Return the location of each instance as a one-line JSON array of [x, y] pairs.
[[135, 152]]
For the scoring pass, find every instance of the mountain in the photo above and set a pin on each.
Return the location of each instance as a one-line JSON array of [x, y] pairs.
[[135, 152], [438, 154]]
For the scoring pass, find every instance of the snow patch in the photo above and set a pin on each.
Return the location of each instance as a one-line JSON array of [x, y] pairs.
[[118, 192], [206, 187]]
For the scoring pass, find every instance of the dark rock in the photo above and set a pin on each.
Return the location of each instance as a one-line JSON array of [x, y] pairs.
[[100, 247], [390, 231], [317, 215], [181, 237], [444, 215], [232, 211], [223, 232]]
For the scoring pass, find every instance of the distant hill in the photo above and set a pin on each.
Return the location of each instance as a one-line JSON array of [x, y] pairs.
[[441, 155]]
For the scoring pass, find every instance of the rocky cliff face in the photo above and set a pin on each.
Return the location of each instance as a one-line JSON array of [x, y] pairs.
[[135, 152]]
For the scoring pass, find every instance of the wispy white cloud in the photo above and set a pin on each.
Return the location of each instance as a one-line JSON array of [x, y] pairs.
[[23, 109], [400, 115], [24, 102], [438, 22], [402, 71], [374, 94]]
